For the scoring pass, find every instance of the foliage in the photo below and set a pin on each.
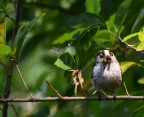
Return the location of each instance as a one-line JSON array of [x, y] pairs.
[[68, 37]]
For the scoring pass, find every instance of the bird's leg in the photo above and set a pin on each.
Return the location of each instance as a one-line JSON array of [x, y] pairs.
[[114, 96], [104, 93], [95, 92], [99, 96]]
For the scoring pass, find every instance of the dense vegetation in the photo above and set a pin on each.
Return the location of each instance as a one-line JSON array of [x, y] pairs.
[[57, 37]]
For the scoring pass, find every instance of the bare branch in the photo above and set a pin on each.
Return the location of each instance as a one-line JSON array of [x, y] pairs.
[[14, 109], [126, 88], [54, 89], [8, 87], [123, 97], [10, 18], [120, 39], [23, 81]]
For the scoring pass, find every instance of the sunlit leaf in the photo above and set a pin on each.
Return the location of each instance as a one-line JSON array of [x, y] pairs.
[[126, 65], [2, 32], [141, 36], [71, 50], [140, 46], [60, 63], [93, 6], [110, 22], [104, 36], [131, 35], [4, 50], [141, 80], [66, 37]]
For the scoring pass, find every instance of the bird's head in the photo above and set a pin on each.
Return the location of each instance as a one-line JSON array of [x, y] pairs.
[[105, 56]]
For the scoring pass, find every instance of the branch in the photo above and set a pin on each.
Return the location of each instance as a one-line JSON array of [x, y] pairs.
[[11, 62], [6, 15], [14, 109], [124, 97], [54, 89], [120, 39], [23, 81], [126, 89], [7, 87]]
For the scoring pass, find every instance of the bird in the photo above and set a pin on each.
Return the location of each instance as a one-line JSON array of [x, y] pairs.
[[107, 74]]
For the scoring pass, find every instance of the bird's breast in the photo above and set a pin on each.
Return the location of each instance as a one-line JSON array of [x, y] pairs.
[[107, 77]]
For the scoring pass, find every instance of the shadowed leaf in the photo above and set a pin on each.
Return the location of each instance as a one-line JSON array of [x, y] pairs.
[[21, 36]]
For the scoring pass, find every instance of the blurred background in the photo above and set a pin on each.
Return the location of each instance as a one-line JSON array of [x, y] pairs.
[[74, 31]]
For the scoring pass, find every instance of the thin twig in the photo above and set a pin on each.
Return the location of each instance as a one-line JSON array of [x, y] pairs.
[[23, 81], [54, 89], [126, 88], [14, 109], [120, 39], [91, 98], [104, 93], [3, 65], [1, 109], [6, 15]]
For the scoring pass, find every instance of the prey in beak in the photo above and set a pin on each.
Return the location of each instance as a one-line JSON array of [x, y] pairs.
[[106, 60], [106, 56]]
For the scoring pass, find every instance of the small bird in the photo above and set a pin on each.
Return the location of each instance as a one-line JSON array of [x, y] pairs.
[[107, 75]]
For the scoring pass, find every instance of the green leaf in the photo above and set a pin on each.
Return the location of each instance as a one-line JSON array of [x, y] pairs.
[[141, 36], [2, 32], [110, 22], [121, 14], [66, 37], [82, 43], [131, 35], [85, 20], [4, 50], [126, 65], [104, 36], [60, 63], [21, 36], [141, 80], [93, 6], [138, 22], [140, 46]]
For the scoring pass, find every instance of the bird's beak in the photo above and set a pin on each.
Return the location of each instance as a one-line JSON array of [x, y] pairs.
[[106, 59]]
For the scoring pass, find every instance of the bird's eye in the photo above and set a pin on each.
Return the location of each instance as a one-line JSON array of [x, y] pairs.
[[101, 55], [111, 53]]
